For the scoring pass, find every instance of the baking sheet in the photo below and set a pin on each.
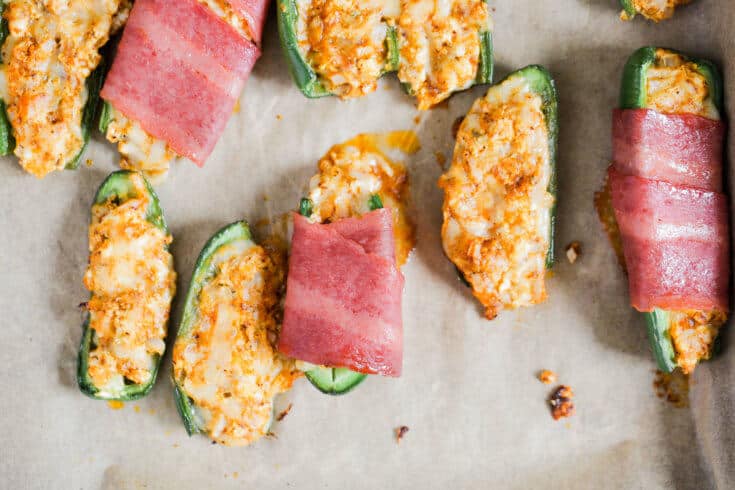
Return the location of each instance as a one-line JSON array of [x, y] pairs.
[[477, 416]]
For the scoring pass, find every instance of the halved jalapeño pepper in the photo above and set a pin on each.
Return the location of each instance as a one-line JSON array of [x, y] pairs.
[[226, 370], [516, 243], [93, 85], [669, 68], [343, 48], [350, 57], [132, 281]]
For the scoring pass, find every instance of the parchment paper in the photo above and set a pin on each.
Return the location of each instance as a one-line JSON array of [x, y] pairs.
[[478, 418]]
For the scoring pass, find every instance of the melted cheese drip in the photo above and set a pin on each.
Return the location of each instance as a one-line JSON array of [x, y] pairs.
[[227, 363], [132, 280], [351, 172], [496, 205], [655, 10], [50, 51], [344, 42], [676, 87], [138, 149], [440, 46]]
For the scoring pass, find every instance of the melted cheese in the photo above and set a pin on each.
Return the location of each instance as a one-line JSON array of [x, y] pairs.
[[50, 51], [496, 204], [674, 86], [439, 46], [227, 362], [351, 172], [344, 42], [693, 334], [132, 281], [224, 11], [655, 10], [138, 149]]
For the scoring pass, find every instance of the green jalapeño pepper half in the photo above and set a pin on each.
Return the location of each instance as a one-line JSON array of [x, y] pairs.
[[335, 380], [308, 81], [633, 95], [89, 112], [118, 188], [205, 270], [312, 83], [542, 84]]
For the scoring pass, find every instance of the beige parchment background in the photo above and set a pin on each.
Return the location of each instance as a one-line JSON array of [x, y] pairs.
[[477, 416]]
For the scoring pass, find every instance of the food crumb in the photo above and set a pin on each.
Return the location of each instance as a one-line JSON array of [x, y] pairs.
[[235, 474], [115, 404], [547, 377], [136, 408], [672, 387], [417, 120], [236, 109], [89, 162], [561, 402], [279, 116], [283, 414], [573, 250], [440, 159], [400, 432]]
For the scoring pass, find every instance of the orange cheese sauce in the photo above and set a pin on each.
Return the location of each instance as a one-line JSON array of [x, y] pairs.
[[351, 172]]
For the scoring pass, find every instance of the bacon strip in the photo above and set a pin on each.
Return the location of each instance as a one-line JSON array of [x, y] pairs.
[[343, 297], [676, 243], [682, 149]]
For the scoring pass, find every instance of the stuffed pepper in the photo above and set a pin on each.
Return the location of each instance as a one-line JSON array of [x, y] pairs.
[[176, 77], [655, 10], [499, 192], [343, 317], [132, 280], [343, 47], [666, 185], [226, 369], [51, 72]]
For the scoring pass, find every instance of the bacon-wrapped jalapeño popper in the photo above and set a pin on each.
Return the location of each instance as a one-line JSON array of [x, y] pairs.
[[666, 185], [176, 78]]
